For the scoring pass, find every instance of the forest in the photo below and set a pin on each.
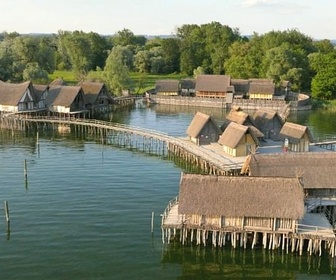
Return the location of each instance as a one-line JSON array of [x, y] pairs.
[[211, 48]]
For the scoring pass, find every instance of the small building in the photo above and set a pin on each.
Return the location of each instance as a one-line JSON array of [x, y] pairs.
[[269, 122], [213, 86], [96, 96], [66, 100], [16, 97], [167, 87], [203, 129], [261, 89], [238, 140], [295, 137], [187, 87], [241, 88]]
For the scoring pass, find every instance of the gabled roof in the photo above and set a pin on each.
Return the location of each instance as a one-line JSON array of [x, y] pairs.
[[263, 116], [198, 123], [240, 85], [62, 95], [167, 86], [241, 196], [58, 82], [234, 133], [318, 169], [91, 90], [261, 86], [215, 83], [294, 132], [10, 94], [39, 90]]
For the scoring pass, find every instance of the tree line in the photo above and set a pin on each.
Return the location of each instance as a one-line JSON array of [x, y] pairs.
[[210, 48]]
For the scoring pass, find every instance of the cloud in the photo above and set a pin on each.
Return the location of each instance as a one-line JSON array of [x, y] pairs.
[[258, 3]]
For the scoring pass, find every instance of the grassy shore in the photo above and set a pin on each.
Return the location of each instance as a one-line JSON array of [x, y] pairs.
[[140, 82]]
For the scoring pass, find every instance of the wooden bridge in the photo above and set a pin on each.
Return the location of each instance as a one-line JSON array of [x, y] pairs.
[[204, 159]]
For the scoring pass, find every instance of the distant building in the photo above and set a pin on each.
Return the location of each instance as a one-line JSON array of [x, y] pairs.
[[167, 87], [213, 86], [187, 87], [261, 89]]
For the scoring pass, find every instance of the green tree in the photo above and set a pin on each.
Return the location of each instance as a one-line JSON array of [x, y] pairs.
[[323, 85], [116, 72], [171, 55], [34, 73]]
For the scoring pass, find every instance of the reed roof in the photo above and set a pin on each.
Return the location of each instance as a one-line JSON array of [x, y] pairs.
[[11, 94], [169, 85], [317, 169], [91, 90], [198, 123], [241, 196], [214, 83], [263, 116], [294, 132], [262, 87], [62, 95], [234, 133]]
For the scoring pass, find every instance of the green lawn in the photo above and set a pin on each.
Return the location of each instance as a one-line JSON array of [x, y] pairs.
[[141, 82]]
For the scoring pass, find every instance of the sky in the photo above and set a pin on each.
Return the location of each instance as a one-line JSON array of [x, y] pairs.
[[314, 18]]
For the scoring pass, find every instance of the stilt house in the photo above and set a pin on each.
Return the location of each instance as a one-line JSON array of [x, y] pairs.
[[296, 137], [238, 140], [16, 97], [203, 129], [268, 122], [261, 89], [258, 203]]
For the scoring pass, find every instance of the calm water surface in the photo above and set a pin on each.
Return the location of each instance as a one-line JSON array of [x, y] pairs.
[[85, 211]]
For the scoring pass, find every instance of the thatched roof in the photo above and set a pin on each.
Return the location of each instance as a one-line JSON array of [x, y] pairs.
[[167, 86], [62, 95], [264, 116], [214, 83], [58, 82], [10, 94], [234, 133], [294, 132], [240, 85], [318, 169], [262, 87], [198, 123], [263, 197], [91, 90], [39, 90], [188, 83]]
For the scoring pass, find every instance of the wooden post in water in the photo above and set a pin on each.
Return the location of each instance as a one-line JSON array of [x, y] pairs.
[[7, 219], [25, 170], [37, 138], [152, 223]]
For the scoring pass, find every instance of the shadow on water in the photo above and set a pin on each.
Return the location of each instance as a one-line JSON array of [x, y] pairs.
[[200, 262]]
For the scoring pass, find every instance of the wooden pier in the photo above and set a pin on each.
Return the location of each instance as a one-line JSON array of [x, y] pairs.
[[205, 160]]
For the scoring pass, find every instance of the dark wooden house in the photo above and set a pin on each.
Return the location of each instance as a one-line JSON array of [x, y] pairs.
[[203, 129], [96, 96], [213, 86], [187, 87], [295, 137], [241, 87], [269, 122]]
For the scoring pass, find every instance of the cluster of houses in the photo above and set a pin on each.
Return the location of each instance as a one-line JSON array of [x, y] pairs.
[[282, 200], [241, 134], [223, 86], [56, 98]]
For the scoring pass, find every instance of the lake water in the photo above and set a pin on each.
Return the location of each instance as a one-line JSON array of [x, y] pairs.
[[85, 210]]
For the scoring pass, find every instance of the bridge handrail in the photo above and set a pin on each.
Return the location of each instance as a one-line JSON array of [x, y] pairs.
[[169, 206], [303, 227]]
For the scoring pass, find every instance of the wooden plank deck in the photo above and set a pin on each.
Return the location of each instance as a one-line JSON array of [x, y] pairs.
[[173, 219], [315, 224]]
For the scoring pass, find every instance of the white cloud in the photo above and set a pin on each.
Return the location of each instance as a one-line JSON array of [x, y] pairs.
[[258, 3]]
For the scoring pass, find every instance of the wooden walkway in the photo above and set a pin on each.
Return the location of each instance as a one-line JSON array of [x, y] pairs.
[[209, 159]]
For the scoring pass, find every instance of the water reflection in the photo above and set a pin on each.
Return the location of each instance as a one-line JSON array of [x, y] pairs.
[[216, 263]]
